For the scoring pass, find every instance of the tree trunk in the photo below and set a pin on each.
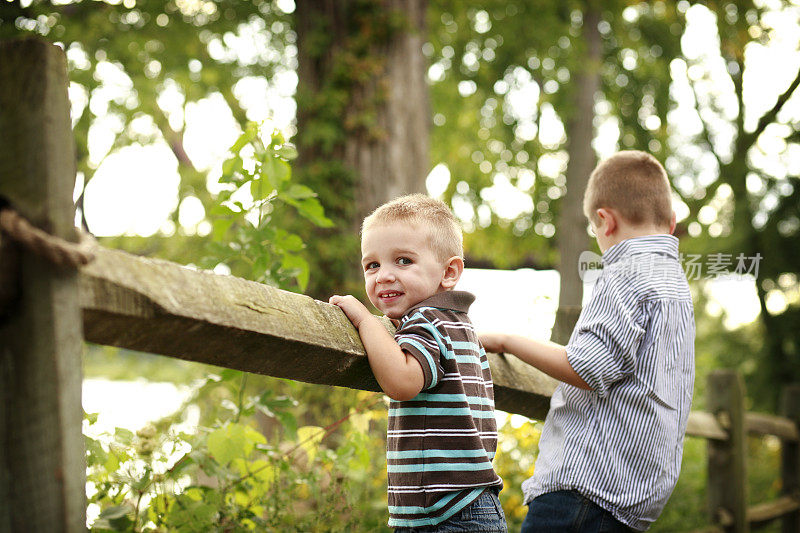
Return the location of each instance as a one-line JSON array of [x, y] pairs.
[[397, 162], [363, 119], [572, 236]]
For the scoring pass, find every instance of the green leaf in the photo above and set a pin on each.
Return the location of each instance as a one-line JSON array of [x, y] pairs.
[[250, 133], [263, 472], [311, 209], [287, 151], [309, 439], [297, 267], [281, 402], [289, 423], [276, 171], [288, 242], [228, 442], [261, 265], [111, 463], [114, 519], [95, 454], [230, 374], [299, 192], [123, 436], [224, 444], [220, 227], [221, 210], [231, 169]]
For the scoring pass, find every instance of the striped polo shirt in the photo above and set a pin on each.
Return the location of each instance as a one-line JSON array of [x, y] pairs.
[[440, 445], [620, 444]]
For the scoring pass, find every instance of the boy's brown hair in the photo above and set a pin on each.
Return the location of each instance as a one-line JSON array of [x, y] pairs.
[[634, 184], [426, 213]]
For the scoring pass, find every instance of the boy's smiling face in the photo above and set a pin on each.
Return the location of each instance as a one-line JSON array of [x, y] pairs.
[[400, 269]]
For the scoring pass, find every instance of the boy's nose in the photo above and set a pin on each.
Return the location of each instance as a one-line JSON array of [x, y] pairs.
[[385, 276]]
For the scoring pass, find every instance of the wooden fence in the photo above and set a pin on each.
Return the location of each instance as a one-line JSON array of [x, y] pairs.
[[726, 426], [165, 308]]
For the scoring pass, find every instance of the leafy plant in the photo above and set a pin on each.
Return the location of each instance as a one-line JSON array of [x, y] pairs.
[[247, 235], [229, 476], [253, 463]]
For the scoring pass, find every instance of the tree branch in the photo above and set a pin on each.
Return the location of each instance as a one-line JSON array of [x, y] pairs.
[[772, 114]]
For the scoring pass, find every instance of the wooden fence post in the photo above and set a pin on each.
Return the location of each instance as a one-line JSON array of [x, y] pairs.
[[566, 318], [790, 457], [42, 465], [727, 459]]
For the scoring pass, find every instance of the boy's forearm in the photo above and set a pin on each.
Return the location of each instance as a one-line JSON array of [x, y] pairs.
[[399, 375], [549, 357]]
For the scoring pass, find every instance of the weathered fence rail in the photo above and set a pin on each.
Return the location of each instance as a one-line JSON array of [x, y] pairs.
[[165, 308], [168, 309]]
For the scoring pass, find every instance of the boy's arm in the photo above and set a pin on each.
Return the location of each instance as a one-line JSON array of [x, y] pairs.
[[398, 373], [549, 357]]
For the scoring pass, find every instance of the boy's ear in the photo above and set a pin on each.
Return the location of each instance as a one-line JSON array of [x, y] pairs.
[[673, 223], [453, 269], [608, 221]]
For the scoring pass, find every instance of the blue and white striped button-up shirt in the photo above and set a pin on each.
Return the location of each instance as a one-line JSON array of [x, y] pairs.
[[620, 444]]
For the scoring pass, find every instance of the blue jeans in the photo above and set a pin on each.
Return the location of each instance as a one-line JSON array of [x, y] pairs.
[[567, 511], [484, 515]]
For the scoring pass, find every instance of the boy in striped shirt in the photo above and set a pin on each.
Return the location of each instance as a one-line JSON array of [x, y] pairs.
[[442, 433], [611, 448]]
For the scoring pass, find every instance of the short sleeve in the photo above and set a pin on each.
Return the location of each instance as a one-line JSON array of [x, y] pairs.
[[604, 345], [420, 339]]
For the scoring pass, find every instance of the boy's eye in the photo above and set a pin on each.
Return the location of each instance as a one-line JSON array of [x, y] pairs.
[[371, 265], [404, 261]]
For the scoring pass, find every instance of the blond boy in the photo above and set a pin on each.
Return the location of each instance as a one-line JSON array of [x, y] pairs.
[[610, 451], [442, 434]]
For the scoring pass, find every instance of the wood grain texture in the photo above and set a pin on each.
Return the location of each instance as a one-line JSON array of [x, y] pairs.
[[42, 466], [727, 459], [164, 308]]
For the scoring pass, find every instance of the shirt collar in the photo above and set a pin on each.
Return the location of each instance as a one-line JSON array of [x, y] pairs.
[[661, 244], [455, 300]]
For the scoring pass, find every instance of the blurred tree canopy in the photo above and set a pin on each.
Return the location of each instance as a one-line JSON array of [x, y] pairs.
[[516, 89]]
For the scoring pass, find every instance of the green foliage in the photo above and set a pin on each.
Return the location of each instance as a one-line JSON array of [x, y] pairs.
[[228, 476], [123, 58], [518, 446], [501, 91], [255, 463], [247, 235], [687, 508], [739, 349]]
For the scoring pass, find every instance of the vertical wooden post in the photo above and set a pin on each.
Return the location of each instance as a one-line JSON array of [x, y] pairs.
[[790, 457], [566, 318], [42, 465], [727, 460]]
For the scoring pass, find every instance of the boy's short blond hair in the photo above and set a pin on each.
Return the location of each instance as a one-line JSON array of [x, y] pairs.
[[633, 183], [424, 212]]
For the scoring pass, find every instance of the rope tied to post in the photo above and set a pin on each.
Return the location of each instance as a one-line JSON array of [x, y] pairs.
[[60, 252]]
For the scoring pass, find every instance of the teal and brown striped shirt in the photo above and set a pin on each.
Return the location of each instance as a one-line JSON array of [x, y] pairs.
[[442, 442]]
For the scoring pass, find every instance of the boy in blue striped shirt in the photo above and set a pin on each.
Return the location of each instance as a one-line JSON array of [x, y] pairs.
[[611, 448], [442, 434]]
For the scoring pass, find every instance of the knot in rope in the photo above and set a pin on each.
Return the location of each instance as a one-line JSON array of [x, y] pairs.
[[58, 251]]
